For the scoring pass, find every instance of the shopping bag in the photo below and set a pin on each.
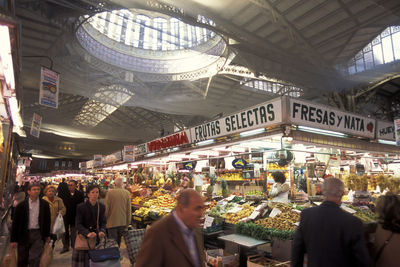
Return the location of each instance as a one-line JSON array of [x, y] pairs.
[[82, 243], [133, 239], [47, 255], [105, 254], [10, 260], [58, 227]]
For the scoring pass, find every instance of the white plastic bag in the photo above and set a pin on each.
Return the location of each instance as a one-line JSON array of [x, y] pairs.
[[58, 227]]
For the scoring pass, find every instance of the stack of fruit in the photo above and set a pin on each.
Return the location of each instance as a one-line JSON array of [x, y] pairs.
[[137, 200], [282, 221], [256, 193], [143, 212], [364, 215], [234, 218]]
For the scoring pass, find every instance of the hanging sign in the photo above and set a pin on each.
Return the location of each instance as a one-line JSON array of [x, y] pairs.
[[49, 88], [112, 158], [129, 155], [323, 117], [265, 114], [397, 131], [97, 161], [189, 165], [173, 140], [239, 163], [36, 123], [89, 164], [385, 130], [140, 149]]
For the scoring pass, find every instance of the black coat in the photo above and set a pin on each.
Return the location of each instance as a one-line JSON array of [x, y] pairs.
[[329, 236], [19, 232], [71, 202], [86, 219], [62, 190]]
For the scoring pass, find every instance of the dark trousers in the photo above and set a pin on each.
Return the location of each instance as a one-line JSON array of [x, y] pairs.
[[116, 233], [29, 253], [69, 236]]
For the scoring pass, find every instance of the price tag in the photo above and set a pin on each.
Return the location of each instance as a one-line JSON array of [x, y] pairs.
[[208, 221], [230, 198], [235, 210], [275, 212], [254, 215], [348, 209], [297, 223]]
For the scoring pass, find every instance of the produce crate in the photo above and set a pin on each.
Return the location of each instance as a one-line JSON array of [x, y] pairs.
[[214, 256], [261, 261], [281, 249]]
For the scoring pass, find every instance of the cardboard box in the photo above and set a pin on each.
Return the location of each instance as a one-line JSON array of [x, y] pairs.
[[260, 261], [214, 256], [281, 250]]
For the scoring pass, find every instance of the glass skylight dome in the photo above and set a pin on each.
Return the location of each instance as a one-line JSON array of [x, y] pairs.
[[150, 30], [153, 43]]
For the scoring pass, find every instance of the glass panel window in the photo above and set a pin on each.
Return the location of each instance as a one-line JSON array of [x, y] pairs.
[[378, 56], [387, 49], [396, 45]]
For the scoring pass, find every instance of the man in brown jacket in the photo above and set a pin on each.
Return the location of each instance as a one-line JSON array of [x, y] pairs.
[[174, 240], [118, 210]]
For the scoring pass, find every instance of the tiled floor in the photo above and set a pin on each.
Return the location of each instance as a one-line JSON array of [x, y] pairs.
[[64, 260]]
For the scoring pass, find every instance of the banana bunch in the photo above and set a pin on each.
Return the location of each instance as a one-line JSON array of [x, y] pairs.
[[283, 221], [234, 218], [142, 212]]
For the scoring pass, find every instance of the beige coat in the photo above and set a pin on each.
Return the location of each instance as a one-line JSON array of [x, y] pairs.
[[390, 256], [55, 207], [163, 246], [118, 208]]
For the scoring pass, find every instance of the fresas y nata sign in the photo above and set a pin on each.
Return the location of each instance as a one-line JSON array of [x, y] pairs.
[[259, 116], [323, 117]]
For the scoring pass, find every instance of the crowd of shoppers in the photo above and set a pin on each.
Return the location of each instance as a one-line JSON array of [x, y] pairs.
[[326, 235]]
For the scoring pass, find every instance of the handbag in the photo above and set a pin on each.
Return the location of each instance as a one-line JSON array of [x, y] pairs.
[[104, 256], [83, 243], [133, 239], [58, 227], [47, 255], [10, 260]]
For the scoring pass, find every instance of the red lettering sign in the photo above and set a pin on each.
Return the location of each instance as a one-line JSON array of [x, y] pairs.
[[168, 141]]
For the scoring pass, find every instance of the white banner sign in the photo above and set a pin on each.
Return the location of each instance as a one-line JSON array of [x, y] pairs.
[[129, 154], [397, 131], [36, 123], [385, 130], [259, 116], [49, 88], [89, 164], [323, 117], [97, 161]]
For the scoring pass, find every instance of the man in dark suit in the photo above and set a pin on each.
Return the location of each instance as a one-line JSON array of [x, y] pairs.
[[175, 239], [71, 200], [31, 227], [62, 189], [329, 235]]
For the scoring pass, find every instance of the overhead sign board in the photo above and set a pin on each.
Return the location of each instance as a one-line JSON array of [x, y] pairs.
[[262, 115], [112, 158], [140, 149], [385, 130], [98, 161], [49, 88], [129, 153], [173, 140], [323, 117], [36, 124]]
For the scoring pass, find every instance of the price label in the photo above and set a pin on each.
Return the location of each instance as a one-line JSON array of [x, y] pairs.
[[297, 223], [230, 198], [275, 212], [254, 215], [235, 210], [208, 221], [348, 209]]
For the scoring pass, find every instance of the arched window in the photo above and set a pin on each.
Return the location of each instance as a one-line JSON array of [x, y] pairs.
[[142, 32], [385, 48], [160, 37]]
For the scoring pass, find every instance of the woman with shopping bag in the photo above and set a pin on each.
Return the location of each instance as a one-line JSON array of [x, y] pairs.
[[90, 224], [57, 210]]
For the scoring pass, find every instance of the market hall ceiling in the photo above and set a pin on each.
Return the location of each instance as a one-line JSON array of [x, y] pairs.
[[281, 47]]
